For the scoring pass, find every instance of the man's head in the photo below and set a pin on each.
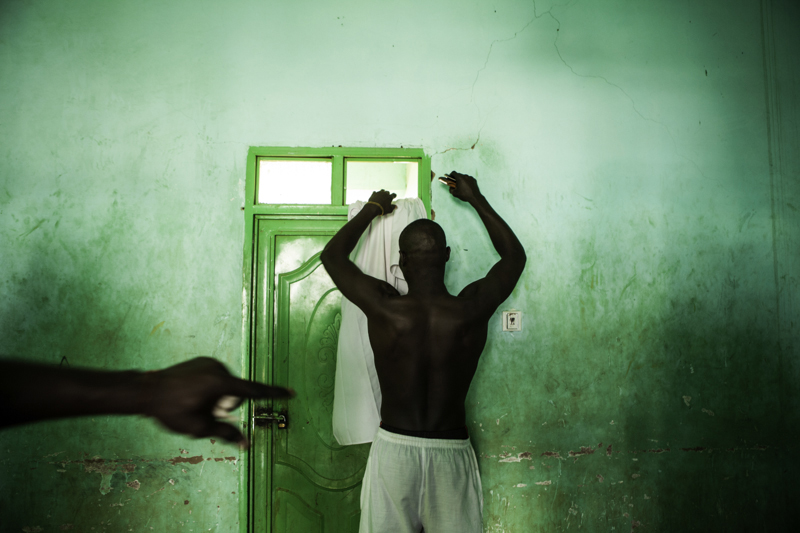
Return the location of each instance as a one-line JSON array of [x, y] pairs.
[[423, 246]]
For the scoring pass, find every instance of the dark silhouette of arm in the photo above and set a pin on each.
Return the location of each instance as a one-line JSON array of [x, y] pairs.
[[361, 289], [182, 397], [492, 290]]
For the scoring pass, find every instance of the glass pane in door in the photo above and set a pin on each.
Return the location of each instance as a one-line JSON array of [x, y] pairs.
[[294, 181], [364, 177]]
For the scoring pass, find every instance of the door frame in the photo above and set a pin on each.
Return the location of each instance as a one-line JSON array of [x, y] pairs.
[[255, 212]]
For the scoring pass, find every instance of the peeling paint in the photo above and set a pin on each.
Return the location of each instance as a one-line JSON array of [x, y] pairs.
[[584, 451], [196, 459], [508, 458]]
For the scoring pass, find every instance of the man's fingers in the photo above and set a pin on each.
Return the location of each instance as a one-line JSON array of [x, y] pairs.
[[253, 389], [225, 405], [227, 432]]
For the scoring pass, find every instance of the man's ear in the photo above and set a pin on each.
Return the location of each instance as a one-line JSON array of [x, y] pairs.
[[401, 263], [447, 254]]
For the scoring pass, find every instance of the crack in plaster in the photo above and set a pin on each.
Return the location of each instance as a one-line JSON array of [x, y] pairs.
[[491, 46], [478, 75], [465, 149], [549, 13], [623, 91]]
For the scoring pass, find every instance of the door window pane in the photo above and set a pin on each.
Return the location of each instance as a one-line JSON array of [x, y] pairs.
[[364, 177], [294, 182]]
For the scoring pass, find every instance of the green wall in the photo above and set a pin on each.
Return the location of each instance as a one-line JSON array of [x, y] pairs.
[[644, 151]]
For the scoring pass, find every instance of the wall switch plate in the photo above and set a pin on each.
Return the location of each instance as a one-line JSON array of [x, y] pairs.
[[512, 320]]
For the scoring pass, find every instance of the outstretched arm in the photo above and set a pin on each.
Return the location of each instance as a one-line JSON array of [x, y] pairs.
[[503, 276], [361, 289], [183, 397]]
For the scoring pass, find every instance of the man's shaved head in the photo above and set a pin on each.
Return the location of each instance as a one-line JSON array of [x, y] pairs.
[[423, 248], [423, 237]]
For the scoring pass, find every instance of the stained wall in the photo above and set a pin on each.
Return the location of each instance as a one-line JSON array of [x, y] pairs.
[[644, 152]]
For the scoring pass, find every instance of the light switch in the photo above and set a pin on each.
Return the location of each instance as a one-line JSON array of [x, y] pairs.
[[512, 320]]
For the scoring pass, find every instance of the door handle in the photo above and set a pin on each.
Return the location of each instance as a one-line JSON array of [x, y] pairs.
[[264, 417]]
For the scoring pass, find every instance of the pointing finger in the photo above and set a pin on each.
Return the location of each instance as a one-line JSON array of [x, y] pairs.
[[253, 389]]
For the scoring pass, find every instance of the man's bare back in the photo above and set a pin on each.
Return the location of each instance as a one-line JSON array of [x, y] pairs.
[[426, 352], [428, 342]]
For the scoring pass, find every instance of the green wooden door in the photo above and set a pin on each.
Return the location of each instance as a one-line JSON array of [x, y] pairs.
[[303, 481]]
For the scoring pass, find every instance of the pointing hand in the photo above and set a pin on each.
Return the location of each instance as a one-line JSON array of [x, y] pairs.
[[183, 397]]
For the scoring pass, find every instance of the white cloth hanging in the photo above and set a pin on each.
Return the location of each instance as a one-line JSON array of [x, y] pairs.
[[357, 392]]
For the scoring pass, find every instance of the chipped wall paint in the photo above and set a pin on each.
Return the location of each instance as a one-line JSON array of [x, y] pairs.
[[638, 149]]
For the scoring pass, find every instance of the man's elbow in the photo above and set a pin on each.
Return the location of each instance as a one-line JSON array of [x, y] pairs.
[[330, 258], [518, 259], [325, 257]]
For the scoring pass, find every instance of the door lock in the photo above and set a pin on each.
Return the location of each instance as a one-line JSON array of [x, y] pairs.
[[264, 417]]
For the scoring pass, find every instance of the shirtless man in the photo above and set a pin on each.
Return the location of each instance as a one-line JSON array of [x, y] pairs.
[[422, 473]]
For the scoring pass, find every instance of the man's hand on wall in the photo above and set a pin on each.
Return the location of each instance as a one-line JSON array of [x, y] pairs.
[[384, 200], [464, 187]]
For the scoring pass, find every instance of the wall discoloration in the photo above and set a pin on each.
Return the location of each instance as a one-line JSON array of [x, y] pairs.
[[629, 147]]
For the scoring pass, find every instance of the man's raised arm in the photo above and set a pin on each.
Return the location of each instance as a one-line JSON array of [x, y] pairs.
[[503, 276], [359, 288]]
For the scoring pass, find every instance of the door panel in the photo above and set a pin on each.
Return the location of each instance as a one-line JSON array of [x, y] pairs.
[[312, 483]]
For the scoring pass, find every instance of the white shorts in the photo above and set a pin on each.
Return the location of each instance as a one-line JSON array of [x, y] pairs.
[[413, 483]]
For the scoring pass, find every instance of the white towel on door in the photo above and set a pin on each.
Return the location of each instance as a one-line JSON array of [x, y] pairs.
[[357, 393]]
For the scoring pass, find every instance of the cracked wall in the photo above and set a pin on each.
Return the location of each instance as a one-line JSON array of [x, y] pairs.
[[645, 153]]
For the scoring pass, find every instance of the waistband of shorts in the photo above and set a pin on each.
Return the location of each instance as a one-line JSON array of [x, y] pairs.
[[450, 434], [421, 442]]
